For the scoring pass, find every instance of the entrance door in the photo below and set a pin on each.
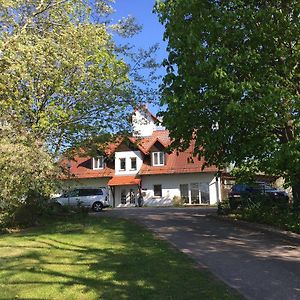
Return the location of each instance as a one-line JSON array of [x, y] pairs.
[[132, 196], [123, 196]]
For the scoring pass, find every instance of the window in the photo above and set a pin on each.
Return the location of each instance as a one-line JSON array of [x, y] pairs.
[[195, 193], [98, 162], [204, 190], [158, 158], [184, 192], [90, 192], [73, 193], [122, 164], [133, 163], [157, 190]]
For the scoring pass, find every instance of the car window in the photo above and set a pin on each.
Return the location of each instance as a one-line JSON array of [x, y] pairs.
[[73, 193], [239, 188], [268, 187], [90, 192]]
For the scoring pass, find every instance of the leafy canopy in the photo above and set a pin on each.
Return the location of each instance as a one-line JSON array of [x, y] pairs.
[[233, 81], [62, 77]]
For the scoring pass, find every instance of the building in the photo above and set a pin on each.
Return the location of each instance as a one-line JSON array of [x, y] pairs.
[[140, 167]]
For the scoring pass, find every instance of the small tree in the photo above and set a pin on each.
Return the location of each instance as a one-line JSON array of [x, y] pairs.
[[26, 169], [233, 81]]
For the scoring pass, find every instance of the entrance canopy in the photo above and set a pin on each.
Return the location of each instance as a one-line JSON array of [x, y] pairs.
[[124, 180]]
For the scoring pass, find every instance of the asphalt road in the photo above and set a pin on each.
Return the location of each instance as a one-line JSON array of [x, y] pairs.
[[259, 265]]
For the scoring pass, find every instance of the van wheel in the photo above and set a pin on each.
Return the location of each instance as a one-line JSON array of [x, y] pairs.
[[97, 206]]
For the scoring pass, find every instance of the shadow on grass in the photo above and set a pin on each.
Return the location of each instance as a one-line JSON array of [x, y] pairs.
[[99, 259]]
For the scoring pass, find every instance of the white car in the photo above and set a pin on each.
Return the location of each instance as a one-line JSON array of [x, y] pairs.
[[94, 198]]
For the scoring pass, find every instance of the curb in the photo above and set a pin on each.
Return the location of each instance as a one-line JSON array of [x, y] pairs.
[[286, 235]]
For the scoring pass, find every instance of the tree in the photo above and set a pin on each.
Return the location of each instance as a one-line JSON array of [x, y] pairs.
[[233, 82], [61, 75], [27, 170], [63, 80]]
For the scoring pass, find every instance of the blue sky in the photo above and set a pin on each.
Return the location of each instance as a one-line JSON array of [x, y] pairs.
[[152, 30]]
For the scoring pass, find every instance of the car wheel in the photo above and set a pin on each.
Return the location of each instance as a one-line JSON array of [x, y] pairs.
[[97, 206]]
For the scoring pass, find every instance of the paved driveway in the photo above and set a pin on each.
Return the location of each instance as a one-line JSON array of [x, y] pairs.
[[259, 265]]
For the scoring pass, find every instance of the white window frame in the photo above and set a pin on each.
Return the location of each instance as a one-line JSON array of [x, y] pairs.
[[122, 158], [98, 163], [160, 162]]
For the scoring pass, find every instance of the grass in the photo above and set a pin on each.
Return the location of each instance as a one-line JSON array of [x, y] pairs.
[[99, 258]]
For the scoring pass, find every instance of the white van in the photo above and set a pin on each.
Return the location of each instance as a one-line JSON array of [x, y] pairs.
[[94, 198]]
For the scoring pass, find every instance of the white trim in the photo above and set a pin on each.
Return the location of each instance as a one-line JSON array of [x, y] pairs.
[[158, 158], [131, 159], [98, 163], [120, 164]]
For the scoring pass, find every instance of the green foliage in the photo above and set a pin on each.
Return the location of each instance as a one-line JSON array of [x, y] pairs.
[[27, 170], [233, 79], [284, 218], [62, 80], [177, 201], [61, 75]]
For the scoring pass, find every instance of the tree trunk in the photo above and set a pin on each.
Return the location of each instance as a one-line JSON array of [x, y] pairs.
[[296, 194]]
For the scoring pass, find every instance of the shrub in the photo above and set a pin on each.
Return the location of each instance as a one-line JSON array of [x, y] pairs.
[[177, 201], [224, 207], [284, 218]]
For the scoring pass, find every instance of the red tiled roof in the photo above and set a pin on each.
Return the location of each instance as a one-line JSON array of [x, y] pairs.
[[162, 136], [81, 168], [183, 162], [124, 180], [175, 163]]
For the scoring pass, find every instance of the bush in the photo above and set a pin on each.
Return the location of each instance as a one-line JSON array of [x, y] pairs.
[[262, 209], [33, 210], [178, 201], [224, 207], [284, 218]]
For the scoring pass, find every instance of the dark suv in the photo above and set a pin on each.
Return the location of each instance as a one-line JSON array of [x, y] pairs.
[[254, 191]]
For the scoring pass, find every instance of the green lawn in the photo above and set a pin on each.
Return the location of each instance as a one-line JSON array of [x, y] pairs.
[[99, 258]]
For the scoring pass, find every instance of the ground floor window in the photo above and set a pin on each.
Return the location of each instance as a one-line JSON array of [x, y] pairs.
[[157, 190], [204, 191], [195, 193], [184, 192]]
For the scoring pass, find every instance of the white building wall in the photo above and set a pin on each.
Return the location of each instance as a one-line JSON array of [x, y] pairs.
[[143, 124], [171, 187], [128, 155]]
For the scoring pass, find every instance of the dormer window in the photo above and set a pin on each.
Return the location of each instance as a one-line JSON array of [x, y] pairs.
[[98, 162], [122, 164], [158, 158], [133, 163]]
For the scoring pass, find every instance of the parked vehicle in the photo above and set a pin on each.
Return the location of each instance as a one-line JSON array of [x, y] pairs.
[[94, 198], [254, 191]]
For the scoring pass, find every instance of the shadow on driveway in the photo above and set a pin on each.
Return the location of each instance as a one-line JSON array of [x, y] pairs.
[[258, 265]]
